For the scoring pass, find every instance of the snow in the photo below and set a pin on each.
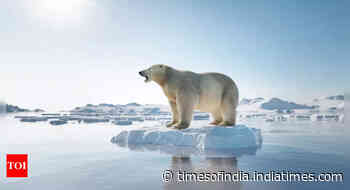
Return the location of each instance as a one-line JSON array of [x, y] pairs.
[[252, 104], [192, 140], [262, 105], [326, 103]]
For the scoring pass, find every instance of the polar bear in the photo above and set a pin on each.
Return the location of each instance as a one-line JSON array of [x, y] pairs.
[[208, 92]]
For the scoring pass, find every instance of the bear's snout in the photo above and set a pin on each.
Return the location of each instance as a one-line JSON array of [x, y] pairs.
[[144, 74]]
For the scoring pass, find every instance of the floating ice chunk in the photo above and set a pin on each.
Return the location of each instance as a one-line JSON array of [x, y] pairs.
[[151, 137], [121, 139], [136, 137], [200, 139], [169, 138], [231, 137]]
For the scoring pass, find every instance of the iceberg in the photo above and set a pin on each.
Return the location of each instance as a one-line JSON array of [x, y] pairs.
[[207, 140]]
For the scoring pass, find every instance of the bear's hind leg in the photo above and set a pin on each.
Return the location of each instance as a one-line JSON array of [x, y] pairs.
[[228, 122], [175, 114], [217, 118], [229, 115]]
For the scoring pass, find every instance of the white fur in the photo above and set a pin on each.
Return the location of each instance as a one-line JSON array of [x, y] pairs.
[[208, 92]]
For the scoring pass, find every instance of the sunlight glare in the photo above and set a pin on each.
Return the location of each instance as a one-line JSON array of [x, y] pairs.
[[61, 10]]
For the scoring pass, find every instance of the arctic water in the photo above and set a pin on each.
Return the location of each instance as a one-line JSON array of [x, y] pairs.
[[81, 156]]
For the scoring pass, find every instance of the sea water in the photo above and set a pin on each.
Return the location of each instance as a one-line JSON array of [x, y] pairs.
[[81, 156]]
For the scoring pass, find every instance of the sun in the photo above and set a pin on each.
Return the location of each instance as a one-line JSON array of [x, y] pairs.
[[60, 10], [62, 7]]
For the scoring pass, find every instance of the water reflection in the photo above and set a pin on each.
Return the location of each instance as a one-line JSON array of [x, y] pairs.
[[217, 168]]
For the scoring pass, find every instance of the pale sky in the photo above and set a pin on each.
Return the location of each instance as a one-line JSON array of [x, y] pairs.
[[58, 54]]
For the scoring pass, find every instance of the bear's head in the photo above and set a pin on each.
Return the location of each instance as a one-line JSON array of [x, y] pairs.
[[156, 73]]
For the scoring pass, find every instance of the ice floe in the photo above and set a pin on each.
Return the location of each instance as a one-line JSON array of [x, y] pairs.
[[208, 139]]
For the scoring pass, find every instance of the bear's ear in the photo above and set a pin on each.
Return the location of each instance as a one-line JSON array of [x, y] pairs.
[[166, 68]]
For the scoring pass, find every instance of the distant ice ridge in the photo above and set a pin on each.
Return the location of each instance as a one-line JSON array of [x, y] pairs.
[[192, 140]]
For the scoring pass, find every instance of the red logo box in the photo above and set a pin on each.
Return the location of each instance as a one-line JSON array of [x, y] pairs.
[[17, 165]]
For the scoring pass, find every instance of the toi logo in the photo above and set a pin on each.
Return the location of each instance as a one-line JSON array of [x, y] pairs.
[[17, 165]]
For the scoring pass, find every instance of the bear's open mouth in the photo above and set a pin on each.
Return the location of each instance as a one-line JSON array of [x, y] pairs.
[[142, 73]]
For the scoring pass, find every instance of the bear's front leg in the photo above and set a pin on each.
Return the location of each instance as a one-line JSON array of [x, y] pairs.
[[175, 114], [185, 104]]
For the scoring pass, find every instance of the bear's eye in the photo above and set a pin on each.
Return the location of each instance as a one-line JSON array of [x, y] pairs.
[[161, 66]]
